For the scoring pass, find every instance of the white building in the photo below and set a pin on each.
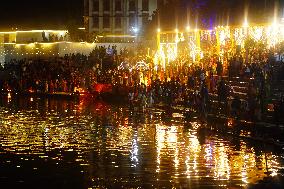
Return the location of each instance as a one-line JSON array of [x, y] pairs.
[[44, 44], [122, 17], [24, 44]]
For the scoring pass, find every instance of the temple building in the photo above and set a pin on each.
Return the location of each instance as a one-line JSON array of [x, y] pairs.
[[121, 17]]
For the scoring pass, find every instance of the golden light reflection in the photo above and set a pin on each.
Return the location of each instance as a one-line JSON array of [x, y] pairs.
[[134, 150], [9, 97], [113, 141], [222, 169], [160, 139], [215, 159]]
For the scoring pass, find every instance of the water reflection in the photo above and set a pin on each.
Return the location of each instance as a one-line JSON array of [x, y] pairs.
[[114, 147]]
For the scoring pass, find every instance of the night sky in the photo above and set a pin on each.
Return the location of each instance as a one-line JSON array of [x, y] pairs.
[[35, 14], [209, 13], [58, 14]]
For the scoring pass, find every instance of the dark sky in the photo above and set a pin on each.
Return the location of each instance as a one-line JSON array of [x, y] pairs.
[[39, 14], [210, 13], [57, 14]]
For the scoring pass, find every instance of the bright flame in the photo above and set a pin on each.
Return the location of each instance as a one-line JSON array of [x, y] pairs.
[[187, 28], [246, 24]]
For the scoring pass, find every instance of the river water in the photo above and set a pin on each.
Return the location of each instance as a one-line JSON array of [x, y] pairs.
[[49, 143]]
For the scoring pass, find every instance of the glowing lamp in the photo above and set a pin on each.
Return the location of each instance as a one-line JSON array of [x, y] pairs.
[[270, 107], [135, 30], [246, 23], [230, 122], [187, 28]]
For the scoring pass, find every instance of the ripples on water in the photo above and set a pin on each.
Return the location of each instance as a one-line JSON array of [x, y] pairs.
[[67, 144]]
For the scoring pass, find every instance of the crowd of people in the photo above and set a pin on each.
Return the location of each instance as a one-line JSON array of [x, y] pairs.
[[197, 85], [61, 74], [54, 37], [198, 90], [181, 82]]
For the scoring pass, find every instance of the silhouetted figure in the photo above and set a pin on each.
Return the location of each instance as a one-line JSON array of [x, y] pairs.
[[222, 92], [61, 38], [219, 68], [51, 37], [236, 106], [43, 36]]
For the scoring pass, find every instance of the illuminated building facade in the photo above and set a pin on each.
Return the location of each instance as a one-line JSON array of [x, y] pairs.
[[23, 37], [282, 10], [26, 44], [127, 17], [43, 44]]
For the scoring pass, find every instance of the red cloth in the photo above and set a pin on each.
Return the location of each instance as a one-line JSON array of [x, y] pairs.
[[102, 88]]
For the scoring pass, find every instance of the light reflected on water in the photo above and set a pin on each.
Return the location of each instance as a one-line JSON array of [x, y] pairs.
[[117, 147]]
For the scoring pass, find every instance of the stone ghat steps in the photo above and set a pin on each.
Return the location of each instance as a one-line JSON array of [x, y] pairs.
[[277, 86], [219, 117], [239, 89], [232, 95], [239, 79]]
